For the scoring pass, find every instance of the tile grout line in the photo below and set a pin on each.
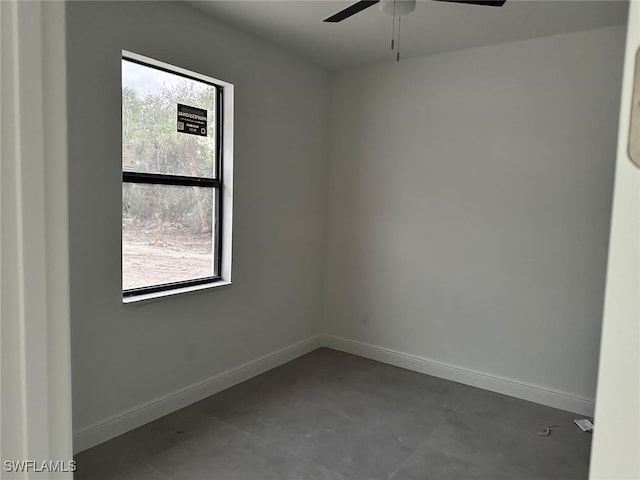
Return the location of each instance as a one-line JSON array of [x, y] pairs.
[[484, 464], [284, 449], [319, 407], [364, 424], [160, 472], [452, 410], [463, 399], [421, 444], [145, 460]]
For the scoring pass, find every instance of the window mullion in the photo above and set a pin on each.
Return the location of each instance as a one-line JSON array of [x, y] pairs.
[[163, 179]]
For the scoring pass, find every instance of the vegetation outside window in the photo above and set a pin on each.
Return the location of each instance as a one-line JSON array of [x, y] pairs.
[[172, 174]]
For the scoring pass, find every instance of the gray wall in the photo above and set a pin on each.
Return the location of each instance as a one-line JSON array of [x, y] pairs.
[[126, 355], [469, 206]]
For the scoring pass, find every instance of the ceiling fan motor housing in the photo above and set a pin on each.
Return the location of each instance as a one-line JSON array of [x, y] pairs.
[[402, 7]]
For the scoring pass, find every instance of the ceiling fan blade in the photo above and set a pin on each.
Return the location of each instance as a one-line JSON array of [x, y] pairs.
[[351, 10], [489, 3]]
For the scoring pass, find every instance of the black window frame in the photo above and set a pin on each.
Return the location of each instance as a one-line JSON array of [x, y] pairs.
[[215, 183]]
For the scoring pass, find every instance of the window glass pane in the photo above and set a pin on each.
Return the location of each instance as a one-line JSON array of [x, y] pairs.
[[166, 234], [151, 141]]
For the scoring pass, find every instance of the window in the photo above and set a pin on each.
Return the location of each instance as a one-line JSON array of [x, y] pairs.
[[176, 179]]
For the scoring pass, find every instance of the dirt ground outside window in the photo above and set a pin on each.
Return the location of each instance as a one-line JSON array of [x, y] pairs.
[[154, 253]]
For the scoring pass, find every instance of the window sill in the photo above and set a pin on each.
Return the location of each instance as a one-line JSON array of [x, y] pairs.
[[148, 297]]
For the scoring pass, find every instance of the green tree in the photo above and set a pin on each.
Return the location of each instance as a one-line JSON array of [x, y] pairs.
[[149, 127]]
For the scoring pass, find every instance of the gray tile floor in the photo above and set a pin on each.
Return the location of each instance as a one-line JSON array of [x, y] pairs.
[[329, 416]]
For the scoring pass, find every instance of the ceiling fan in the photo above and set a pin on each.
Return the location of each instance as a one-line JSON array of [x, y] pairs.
[[405, 5], [398, 8]]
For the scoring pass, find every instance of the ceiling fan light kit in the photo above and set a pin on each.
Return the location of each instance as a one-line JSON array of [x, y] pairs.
[[398, 7]]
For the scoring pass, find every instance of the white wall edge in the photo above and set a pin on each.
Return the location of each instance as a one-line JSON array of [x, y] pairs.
[[494, 383], [108, 428], [35, 379]]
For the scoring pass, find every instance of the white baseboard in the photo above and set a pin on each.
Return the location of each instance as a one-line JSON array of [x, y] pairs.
[[494, 383], [120, 423]]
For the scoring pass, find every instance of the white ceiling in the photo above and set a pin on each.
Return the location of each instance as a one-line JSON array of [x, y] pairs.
[[433, 27]]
